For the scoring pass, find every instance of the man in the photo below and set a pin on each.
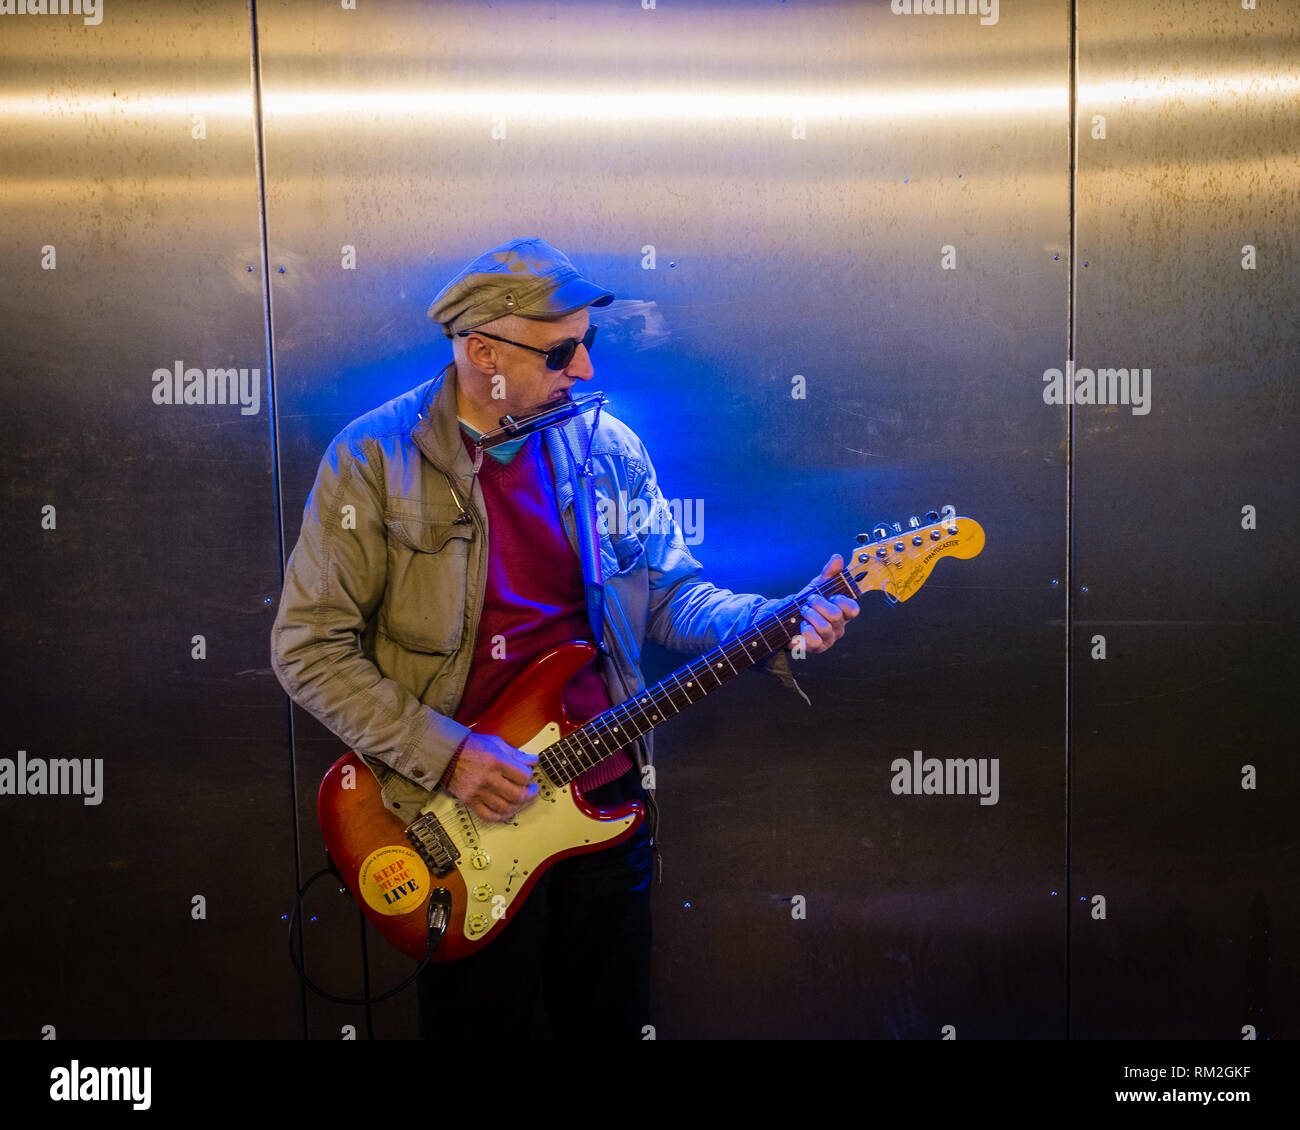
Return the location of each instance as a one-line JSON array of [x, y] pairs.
[[428, 574]]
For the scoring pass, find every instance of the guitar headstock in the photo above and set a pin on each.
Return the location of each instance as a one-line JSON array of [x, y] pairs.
[[897, 559]]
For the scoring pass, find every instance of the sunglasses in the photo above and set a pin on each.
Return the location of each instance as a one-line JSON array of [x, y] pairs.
[[557, 358]]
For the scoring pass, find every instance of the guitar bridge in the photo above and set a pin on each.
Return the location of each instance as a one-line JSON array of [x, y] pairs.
[[433, 844]]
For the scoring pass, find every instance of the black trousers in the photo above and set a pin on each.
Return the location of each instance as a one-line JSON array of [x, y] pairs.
[[581, 941]]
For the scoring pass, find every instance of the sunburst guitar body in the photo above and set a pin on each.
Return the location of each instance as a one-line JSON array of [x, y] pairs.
[[497, 863]]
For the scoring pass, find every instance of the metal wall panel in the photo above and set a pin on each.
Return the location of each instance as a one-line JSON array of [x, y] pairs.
[[130, 245], [1185, 787], [798, 199]]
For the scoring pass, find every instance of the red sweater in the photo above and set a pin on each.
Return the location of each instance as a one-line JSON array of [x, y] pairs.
[[534, 598]]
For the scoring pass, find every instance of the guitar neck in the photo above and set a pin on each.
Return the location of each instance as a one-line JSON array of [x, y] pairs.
[[615, 728]]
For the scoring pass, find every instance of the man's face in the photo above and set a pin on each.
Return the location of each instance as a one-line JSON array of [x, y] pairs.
[[528, 382]]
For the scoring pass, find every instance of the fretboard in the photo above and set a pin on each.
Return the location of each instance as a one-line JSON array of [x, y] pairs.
[[615, 728]]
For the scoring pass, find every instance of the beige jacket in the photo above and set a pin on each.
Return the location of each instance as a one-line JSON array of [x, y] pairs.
[[383, 591]]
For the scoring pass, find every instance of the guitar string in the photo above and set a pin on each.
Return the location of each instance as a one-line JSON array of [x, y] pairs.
[[665, 691], [661, 692], [622, 715]]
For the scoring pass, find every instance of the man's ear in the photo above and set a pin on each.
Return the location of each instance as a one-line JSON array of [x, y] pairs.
[[481, 354]]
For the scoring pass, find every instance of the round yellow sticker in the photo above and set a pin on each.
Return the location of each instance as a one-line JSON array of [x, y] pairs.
[[393, 880]]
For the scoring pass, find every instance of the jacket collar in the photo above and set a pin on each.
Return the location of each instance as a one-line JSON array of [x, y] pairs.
[[437, 434], [437, 430]]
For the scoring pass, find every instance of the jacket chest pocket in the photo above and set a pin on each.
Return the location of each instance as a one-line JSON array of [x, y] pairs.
[[428, 567], [621, 551], [628, 554]]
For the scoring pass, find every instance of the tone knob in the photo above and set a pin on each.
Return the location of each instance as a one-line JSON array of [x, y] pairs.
[[476, 923], [480, 860], [483, 892]]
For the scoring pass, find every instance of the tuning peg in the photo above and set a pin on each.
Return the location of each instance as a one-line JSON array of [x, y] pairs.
[[863, 539], [879, 533], [913, 522], [932, 515]]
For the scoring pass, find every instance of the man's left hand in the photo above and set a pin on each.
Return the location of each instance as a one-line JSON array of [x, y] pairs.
[[825, 620]]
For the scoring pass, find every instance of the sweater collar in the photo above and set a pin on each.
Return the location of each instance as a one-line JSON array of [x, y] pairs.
[[437, 434]]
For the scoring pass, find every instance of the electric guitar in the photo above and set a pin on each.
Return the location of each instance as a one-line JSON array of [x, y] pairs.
[[452, 880]]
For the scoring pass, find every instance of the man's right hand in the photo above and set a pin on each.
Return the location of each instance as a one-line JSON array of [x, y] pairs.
[[493, 778]]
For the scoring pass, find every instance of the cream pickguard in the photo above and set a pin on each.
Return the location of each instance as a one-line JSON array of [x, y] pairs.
[[496, 859]]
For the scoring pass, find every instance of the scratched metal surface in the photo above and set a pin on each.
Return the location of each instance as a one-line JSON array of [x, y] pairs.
[[1198, 615], [776, 257], [166, 530]]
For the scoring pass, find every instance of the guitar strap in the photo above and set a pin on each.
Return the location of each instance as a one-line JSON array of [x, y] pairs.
[[584, 517]]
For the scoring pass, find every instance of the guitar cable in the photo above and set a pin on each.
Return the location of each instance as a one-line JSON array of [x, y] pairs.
[[437, 918]]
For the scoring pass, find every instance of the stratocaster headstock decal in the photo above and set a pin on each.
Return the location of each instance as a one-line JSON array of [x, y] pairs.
[[897, 559]]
